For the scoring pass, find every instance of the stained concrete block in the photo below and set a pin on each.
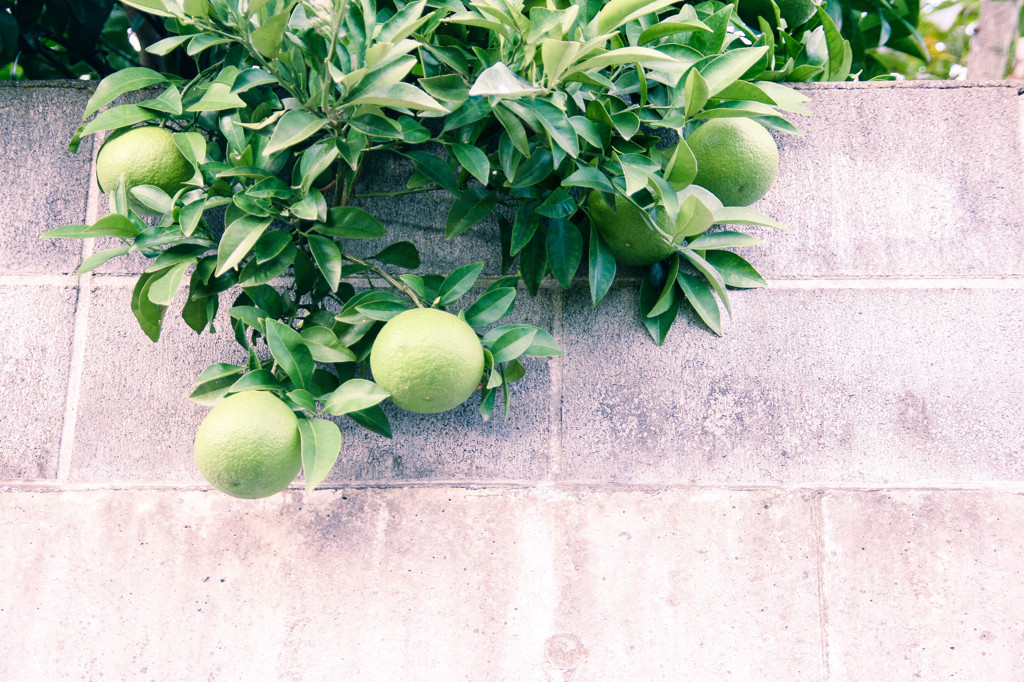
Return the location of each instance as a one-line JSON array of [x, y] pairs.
[[37, 327], [923, 585], [135, 421], [44, 185], [410, 584], [459, 444], [899, 180], [830, 385]]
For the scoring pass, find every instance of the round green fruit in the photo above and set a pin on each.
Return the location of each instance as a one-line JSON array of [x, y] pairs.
[[628, 236], [737, 159], [144, 156], [428, 359], [248, 446]]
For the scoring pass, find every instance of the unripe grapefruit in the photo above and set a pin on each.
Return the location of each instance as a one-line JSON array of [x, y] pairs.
[[737, 159], [248, 445], [628, 236], [145, 156], [428, 359]]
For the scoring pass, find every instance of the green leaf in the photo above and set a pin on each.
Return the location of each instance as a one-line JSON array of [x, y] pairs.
[[514, 128], [238, 240], [218, 97], [355, 395], [435, 169], [204, 41], [327, 255], [601, 269], [251, 78], [112, 225], [667, 28], [840, 54], [290, 352], [512, 343], [474, 160], [681, 166], [722, 71], [664, 302], [524, 227], [121, 116], [738, 215], [163, 289], [397, 96], [559, 204], [153, 198], [350, 222], [491, 307], [267, 38], [99, 258], [702, 298], [458, 283], [659, 325], [373, 419], [471, 207], [257, 380], [543, 345], [695, 93], [533, 263], [723, 240], [399, 254], [498, 80], [615, 13], [565, 250], [157, 7], [557, 125], [324, 345], [736, 272], [712, 275], [292, 128], [589, 177], [169, 102], [119, 83], [149, 315], [320, 441], [213, 383]]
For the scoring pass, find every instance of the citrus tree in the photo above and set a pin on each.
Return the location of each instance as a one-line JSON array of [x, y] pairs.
[[568, 123]]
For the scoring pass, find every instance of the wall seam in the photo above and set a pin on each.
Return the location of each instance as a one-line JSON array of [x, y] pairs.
[[818, 511], [555, 392], [74, 385]]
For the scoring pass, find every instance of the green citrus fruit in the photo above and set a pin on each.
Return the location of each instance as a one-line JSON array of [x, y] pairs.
[[795, 12], [737, 159], [145, 156], [248, 445], [630, 239], [429, 360]]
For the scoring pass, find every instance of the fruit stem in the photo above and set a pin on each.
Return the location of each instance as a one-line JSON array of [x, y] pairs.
[[401, 286]]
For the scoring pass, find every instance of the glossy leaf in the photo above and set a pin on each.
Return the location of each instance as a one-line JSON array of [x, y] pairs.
[[372, 419], [657, 326], [512, 343], [565, 250], [293, 127], [354, 395], [290, 352], [350, 222], [491, 307], [474, 160], [327, 256], [149, 315], [736, 272], [238, 240], [601, 267], [702, 298], [119, 83], [723, 240], [320, 445], [458, 283], [472, 206]]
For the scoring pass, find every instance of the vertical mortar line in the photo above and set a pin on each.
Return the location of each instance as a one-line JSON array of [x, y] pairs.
[[818, 511], [555, 392], [67, 437]]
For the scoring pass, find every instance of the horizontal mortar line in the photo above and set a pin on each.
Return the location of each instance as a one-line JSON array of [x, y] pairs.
[[1013, 487], [901, 283], [38, 280]]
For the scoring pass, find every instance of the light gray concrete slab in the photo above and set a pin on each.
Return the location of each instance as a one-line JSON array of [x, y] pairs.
[[135, 421], [923, 585], [899, 181], [44, 185], [459, 444], [36, 327], [410, 584], [807, 386]]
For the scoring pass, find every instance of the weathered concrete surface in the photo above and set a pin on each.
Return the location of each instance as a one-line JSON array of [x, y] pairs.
[[923, 585], [459, 444], [36, 331], [135, 421], [874, 386], [899, 180], [44, 185], [410, 584]]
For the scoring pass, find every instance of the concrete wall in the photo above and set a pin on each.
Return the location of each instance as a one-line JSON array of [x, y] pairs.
[[827, 492]]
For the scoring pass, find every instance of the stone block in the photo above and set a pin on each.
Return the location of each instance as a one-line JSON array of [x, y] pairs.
[[923, 585], [899, 180], [44, 185], [37, 327], [413, 583], [135, 421], [870, 386]]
